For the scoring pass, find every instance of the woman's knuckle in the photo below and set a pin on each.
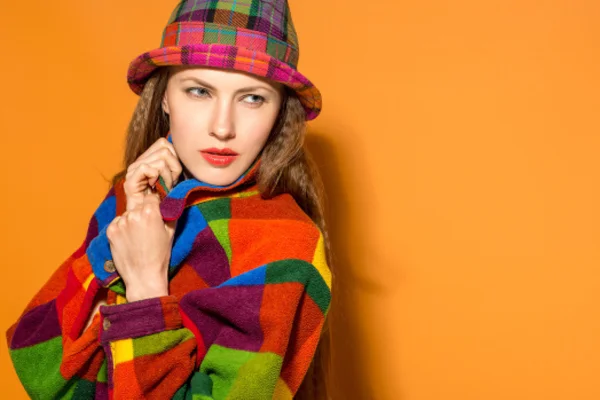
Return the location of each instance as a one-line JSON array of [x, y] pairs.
[[114, 225], [148, 209]]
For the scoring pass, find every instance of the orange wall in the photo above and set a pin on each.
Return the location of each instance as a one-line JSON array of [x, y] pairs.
[[459, 142]]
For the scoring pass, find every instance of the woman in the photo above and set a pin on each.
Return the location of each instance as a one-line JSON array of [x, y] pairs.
[[205, 271]]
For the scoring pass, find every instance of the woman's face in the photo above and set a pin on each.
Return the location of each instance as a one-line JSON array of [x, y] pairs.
[[212, 108]]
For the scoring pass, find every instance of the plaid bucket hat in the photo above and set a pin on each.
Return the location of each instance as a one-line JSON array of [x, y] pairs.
[[253, 36]]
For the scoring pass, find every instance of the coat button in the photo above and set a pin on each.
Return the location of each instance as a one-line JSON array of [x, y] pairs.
[[106, 324], [109, 266]]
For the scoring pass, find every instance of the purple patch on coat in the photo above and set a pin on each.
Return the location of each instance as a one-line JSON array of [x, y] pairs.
[[131, 320], [101, 391], [38, 325], [171, 208], [227, 315], [208, 258]]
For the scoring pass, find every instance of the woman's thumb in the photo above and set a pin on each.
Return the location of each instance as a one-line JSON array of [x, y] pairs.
[[171, 226]]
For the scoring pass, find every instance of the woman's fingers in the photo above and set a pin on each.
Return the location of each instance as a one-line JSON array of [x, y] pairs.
[[162, 159], [151, 202], [148, 173], [161, 143], [168, 155], [161, 166], [137, 183], [145, 176], [162, 148]]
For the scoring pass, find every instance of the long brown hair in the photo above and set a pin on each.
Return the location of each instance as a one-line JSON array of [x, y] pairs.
[[286, 166]]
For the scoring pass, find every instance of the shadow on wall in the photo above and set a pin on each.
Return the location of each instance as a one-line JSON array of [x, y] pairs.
[[350, 380]]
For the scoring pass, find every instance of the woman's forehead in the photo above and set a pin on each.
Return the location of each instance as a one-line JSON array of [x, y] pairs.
[[217, 75]]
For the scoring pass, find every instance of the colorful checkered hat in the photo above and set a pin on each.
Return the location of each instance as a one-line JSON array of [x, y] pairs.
[[254, 36]]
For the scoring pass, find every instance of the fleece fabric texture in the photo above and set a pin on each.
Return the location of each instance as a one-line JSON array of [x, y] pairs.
[[249, 290]]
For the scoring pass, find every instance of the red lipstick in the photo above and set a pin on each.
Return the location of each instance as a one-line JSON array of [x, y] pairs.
[[219, 157]]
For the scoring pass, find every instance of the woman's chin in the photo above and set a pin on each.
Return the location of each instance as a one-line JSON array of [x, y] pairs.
[[222, 176]]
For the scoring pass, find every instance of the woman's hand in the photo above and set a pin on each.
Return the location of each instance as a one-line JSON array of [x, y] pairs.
[[143, 173], [140, 242]]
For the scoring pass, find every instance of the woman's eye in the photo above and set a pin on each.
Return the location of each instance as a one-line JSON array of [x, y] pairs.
[[259, 99], [197, 89], [202, 92]]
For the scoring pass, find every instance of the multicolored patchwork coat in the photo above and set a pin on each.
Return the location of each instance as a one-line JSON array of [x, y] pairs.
[[249, 290]]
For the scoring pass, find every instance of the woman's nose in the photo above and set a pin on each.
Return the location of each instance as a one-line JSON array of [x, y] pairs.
[[223, 126]]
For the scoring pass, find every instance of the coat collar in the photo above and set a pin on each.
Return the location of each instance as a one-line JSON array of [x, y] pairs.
[[191, 191]]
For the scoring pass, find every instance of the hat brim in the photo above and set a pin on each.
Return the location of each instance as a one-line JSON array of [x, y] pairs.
[[226, 57]]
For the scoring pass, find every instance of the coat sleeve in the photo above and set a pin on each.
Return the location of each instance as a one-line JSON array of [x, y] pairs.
[[251, 337], [150, 354], [53, 354]]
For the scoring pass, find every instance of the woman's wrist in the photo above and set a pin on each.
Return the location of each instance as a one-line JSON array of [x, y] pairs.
[[146, 290]]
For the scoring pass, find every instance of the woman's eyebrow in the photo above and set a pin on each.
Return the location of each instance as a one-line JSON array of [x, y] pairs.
[[246, 89]]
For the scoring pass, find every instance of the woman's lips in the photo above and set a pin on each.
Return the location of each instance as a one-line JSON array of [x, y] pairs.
[[219, 160]]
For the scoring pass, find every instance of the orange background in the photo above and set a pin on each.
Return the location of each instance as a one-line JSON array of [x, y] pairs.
[[459, 142]]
